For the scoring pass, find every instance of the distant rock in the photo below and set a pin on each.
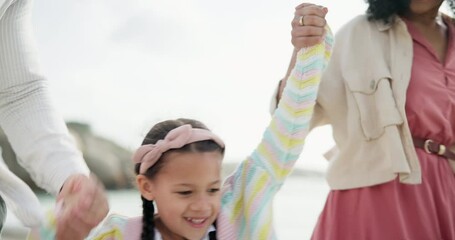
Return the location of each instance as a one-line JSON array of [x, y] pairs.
[[109, 161]]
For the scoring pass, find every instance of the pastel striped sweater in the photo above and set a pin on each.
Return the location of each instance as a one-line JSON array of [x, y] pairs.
[[247, 202], [248, 194]]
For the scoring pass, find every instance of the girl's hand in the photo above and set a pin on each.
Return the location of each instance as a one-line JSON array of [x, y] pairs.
[[308, 25]]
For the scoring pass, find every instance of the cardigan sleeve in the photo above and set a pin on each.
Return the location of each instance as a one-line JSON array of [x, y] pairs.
[[248, 193], [34, 127]]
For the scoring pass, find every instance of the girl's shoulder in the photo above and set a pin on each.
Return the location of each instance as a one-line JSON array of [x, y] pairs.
[[118, 227]]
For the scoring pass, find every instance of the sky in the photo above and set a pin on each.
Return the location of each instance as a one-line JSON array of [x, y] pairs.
[[122, 66]]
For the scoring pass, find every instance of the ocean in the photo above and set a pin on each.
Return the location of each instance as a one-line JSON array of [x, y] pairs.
[[297, 207]]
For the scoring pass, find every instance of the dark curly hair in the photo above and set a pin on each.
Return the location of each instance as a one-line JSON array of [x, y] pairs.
[[158, 132], [384, 9]]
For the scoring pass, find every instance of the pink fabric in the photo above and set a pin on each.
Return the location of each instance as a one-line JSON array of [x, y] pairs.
[[133, 228], [398, 211], [149, 154]]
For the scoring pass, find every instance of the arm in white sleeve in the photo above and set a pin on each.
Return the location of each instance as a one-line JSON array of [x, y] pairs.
[[33, 126]]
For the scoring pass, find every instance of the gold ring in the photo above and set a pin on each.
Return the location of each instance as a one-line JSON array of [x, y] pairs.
[[301, 23]]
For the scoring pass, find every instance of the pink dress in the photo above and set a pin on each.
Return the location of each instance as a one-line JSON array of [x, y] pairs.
[[395, 211]]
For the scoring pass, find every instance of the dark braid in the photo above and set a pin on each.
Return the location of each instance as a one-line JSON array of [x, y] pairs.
[[148, 225]]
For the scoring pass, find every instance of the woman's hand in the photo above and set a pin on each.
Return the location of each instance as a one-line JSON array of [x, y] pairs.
[[308, 25]]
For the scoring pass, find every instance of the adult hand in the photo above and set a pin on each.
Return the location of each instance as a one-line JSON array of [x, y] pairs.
[[308, 25], [82, 206]]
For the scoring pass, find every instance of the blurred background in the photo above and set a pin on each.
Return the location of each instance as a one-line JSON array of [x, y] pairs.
[[122, 66], [117, 67]]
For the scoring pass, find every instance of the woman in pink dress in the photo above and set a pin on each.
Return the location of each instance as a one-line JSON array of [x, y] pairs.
[[389, 95]]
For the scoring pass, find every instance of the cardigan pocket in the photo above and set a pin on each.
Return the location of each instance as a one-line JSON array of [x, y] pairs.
[[375, 104]]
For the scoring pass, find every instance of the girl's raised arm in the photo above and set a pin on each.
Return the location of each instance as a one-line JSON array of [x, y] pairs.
[[249, 192]]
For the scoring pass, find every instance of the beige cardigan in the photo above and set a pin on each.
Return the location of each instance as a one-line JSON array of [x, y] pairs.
[[362, 95]]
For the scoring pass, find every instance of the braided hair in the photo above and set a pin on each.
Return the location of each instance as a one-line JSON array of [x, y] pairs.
[[158, 132], [148, 225]]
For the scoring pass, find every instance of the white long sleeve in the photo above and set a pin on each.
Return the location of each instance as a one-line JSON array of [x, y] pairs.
[[33, 126]]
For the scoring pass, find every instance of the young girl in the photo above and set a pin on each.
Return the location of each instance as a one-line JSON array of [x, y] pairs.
[[179, 168]]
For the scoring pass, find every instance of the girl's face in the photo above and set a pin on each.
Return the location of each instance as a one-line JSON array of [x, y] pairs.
[[187, 193], [418, 7]]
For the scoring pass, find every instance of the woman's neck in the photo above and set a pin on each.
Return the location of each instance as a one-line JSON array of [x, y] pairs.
[[430, 19], [425, 15], [434, 30]]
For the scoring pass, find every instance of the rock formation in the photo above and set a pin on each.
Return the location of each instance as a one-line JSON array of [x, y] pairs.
[[106, 159]]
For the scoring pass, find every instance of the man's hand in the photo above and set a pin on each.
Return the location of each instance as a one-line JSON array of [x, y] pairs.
[[308, 25], [82, 206]]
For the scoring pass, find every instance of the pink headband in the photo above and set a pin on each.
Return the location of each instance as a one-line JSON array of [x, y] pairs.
[[149, 154]]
